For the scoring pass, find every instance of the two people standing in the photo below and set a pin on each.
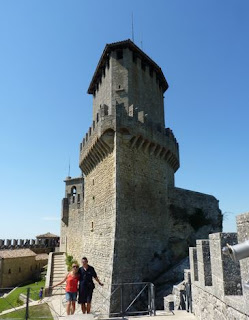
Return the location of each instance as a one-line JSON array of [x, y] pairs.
[[82, 279]]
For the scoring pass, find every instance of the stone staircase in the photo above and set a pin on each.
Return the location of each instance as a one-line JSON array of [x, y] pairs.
[[58, 272]]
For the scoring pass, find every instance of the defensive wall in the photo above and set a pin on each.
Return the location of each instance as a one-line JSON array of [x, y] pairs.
[[36, 245], [217, 282]]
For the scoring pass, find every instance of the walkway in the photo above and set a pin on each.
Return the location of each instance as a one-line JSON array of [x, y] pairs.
[[161, 315]]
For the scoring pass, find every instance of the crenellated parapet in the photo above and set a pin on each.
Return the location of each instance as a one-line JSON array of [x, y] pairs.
[[6, 244], [136, 131], [217, 284], [211, 269]]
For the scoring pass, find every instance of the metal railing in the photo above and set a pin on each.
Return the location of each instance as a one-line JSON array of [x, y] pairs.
[[124, 299], [22, 303], [136, 298]]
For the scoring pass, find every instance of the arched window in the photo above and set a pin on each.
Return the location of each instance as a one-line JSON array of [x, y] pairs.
[[73, 193], [9, 272]]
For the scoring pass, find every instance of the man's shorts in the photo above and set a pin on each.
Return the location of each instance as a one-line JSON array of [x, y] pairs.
[[85, 296], [71, 296]]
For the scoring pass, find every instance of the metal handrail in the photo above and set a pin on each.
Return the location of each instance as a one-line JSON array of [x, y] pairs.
[[150, 310]]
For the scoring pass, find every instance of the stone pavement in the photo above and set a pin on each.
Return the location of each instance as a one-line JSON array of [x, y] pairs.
[[57, 306], [161, 315]]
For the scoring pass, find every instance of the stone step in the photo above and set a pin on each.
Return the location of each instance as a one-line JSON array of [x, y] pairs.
[[58, 276]]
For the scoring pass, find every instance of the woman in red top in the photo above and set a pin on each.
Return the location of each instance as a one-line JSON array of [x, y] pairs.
[[72, 279]]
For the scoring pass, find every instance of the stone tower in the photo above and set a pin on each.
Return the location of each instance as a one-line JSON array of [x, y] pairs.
[[125, 212]]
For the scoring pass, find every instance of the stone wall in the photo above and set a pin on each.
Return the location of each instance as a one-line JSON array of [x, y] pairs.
[[142, 227], [37, 245], [243, 234], [129, 81], [218, 289], [72, 218], [15, 271], [98, 232], [194, 215], [103, 93]]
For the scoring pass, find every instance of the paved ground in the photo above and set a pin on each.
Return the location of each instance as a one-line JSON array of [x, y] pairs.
[[57, 306], [161, 315]]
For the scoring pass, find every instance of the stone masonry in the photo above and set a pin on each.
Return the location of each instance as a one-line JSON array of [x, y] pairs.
[[125, 213], [219, 288], [20, 265]]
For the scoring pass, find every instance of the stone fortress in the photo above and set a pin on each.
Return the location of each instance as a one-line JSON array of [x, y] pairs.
[[124, 213]]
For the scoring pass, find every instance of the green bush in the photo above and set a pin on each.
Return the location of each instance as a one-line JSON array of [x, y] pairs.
[[70, 261]]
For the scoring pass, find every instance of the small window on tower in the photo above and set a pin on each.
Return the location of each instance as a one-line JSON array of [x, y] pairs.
[[78, 200], [120, 54], [73, 194]]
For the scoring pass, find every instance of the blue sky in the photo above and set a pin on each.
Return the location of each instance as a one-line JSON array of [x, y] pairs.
[[49, 51]]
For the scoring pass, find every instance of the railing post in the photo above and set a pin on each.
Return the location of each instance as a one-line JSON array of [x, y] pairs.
[[122, 299], [153, 305], [27, 305], [149, 299]]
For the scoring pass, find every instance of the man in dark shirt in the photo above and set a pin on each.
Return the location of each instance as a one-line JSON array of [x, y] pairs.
[[87, 273]]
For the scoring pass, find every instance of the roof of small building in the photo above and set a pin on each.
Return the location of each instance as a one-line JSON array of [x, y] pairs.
[[121, 45], [47, 235], [41, 256], [16, 253]]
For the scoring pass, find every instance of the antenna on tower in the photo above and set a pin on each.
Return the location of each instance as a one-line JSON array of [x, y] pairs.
[[141, 41], [69, 168], [132, 28]]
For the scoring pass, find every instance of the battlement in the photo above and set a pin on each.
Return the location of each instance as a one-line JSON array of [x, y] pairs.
[[27, 243], [132, 124], [218, 283]]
